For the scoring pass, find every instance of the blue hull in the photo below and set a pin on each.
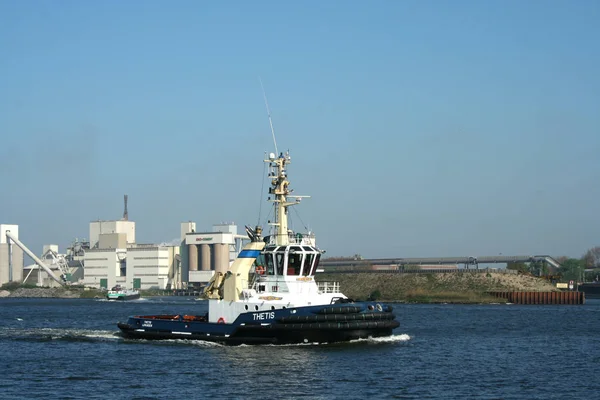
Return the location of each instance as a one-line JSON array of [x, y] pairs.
[[315, 324]]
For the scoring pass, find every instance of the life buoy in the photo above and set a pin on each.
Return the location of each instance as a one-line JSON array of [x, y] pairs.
[[260, 269], [221, 320]]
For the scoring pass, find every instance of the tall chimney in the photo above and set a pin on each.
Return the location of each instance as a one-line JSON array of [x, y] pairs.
[[125, 215]]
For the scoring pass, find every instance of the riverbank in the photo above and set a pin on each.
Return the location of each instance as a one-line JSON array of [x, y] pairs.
[[395, 287], [463, 287], [58, 292]]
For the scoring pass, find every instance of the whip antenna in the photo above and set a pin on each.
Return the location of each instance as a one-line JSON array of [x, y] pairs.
[[269, 115]]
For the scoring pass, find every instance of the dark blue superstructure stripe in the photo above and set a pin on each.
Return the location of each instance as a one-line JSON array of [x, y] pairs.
[[249, 254]]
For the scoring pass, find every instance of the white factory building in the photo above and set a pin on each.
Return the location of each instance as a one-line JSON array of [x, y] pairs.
[[54, 272], [11, 256], [72, 269], [112, 257], [204, 253]]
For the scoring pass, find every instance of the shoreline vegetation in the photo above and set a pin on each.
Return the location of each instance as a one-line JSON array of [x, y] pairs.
[[459, 288], [463, 288]]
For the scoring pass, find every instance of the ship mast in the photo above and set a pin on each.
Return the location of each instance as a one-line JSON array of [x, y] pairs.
[[280, 190], [279, 185]]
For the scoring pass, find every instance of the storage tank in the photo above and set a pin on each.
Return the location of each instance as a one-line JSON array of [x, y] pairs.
[[205, 254], [221, 257], [193, 257]]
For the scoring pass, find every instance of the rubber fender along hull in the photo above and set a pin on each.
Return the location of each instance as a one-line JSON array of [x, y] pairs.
[[278, 333], [340, 310], [320, 332], [366, 316]]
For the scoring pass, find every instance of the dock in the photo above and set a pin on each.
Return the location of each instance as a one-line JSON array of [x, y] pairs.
[[569, 297]]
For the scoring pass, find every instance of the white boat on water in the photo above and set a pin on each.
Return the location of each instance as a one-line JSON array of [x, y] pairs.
[[119, 293]]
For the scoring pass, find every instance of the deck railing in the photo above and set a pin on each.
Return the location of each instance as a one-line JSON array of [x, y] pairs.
[[352, 269], [329, 287], [307, 239]]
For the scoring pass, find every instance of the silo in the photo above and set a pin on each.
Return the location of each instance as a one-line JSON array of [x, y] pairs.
[[205, 257], [193, 256], [185, 265], [221, 257]]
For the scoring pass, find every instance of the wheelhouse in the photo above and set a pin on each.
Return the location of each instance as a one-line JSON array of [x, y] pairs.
[[289, 260]]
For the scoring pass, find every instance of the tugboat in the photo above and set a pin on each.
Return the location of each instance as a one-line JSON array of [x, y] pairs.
[[119, 293], [269, 294]]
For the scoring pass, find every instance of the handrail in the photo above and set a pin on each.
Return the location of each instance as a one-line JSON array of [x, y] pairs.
[[328, 287]]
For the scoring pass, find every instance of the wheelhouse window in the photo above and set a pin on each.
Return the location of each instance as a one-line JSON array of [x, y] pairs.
[[260, 264], [308, 264], [269, 262], [261, 260], [280, 262], [294, 263], [318, 258], [291, 260]]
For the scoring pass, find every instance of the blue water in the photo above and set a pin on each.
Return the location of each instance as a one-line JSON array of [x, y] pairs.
[[69, 349]]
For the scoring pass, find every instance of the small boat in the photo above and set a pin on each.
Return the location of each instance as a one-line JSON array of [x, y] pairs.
[[269, 295], [119, 293]]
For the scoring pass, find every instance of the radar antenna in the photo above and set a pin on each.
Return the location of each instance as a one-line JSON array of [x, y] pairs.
[[269, 115]]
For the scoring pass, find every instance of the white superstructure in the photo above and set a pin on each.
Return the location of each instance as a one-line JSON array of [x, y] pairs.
[[284, 263]]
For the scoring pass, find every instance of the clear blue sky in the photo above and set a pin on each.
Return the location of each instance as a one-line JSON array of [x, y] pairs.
[[420, 128]]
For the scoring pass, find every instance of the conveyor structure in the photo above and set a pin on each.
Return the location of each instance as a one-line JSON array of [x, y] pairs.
[[62, 280]]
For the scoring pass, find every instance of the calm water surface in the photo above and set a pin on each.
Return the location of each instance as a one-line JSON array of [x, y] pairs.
[[69, 349]]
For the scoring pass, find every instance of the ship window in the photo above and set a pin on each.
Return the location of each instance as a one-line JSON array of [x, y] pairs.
[[308, 262], [269, 260], [307, 248], [256, 308], [246, 307], [279, 259], [317, 261], [294, 263]]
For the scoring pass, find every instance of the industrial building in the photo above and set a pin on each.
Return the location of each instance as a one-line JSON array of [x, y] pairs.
[[204, 253], [11, 257], [60, 264], [136, 266], [52, 269], [112, 257]]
